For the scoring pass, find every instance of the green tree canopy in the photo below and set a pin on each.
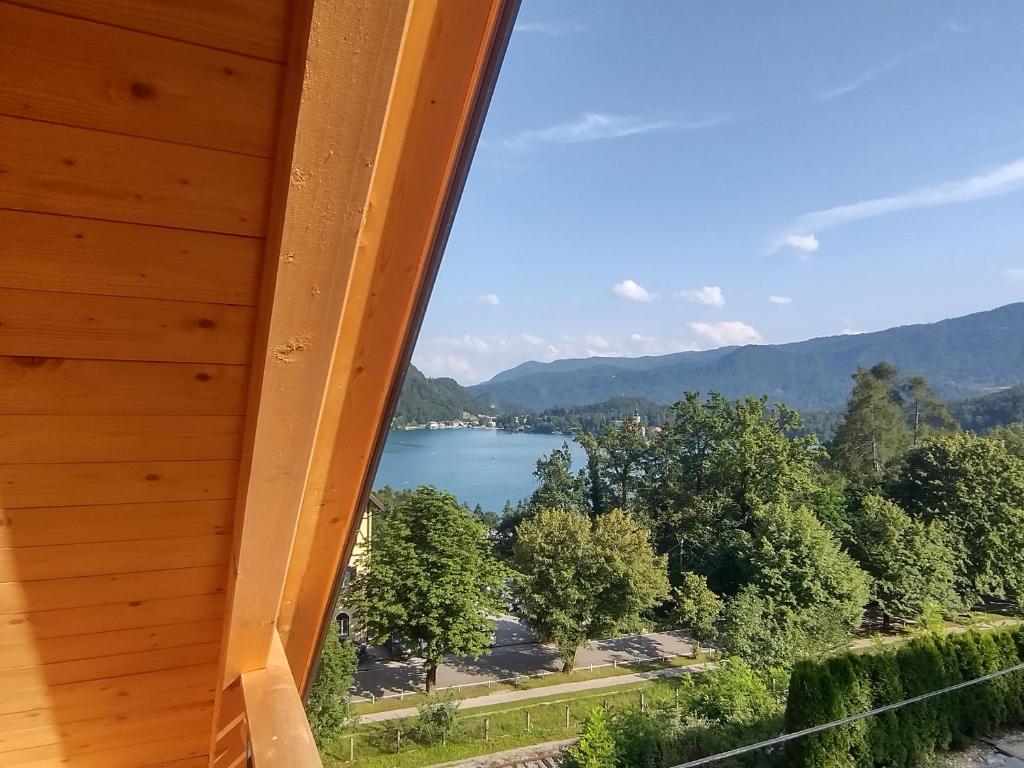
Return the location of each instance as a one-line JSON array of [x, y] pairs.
[[429, 579], [579, 579], [909, 561], [697, 608], [975, 487], [558, 487]]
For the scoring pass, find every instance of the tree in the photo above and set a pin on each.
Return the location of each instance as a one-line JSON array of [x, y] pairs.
[[711, 467], [578, 579], [873, 432], [329, 708], [910, 562], [698, 609], [801, 594], [1012, 436], [429, 580], [923, 410], [615, 463], [596, 747], [558, 487], [975, 487]]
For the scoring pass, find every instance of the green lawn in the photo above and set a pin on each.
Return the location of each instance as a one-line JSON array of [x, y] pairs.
[[527, 683], [375, 744]]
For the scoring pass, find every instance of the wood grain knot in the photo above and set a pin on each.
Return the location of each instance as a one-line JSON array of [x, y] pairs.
[[205, 322], [141, 91]]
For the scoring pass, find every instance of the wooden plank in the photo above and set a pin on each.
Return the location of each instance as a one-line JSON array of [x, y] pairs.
[[447, 59], [74, 255], [231, 749], [98, 644], [75, 592], [26, 687], [16, 629], [278, 729], [107, 732], [56, 385], [335, 110], [59, 485], [153, 748], [78, 325], [58, 439], [72, 701], [79, 73], [56, 169], [65, 561], [253, 27], [46, 526]]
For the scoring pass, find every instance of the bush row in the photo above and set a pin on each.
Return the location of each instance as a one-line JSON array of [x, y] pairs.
[[823, 691]]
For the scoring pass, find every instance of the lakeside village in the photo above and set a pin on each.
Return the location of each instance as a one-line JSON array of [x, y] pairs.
[[467, 421], [509, 423]]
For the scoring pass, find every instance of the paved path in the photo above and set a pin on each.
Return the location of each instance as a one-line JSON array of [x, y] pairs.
[[537, 756], [523, 659], [507, 697]]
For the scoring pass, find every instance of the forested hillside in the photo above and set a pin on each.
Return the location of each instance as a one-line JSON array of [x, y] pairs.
[[424, 400], [996, 409], [961, 357]]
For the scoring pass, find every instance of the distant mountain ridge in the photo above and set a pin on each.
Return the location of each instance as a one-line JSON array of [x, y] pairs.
[[961, 357]]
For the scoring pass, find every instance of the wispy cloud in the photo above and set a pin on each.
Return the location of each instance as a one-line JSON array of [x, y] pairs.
[[727, 333], [998, 181], [958, 28], [802, 243], [489, 298], [780, 299], [632, 290], [1015, 275], [858, 82], [595, 126], [548, 28], [710, 295]]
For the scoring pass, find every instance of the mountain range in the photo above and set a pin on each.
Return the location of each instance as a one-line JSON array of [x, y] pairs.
[[961, 357]]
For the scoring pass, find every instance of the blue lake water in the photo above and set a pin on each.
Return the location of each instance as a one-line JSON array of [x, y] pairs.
[[480, 466]]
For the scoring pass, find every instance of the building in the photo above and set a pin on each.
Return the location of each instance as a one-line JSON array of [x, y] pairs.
[[219, 223]]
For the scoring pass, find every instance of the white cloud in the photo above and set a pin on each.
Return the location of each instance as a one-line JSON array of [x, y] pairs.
[[632, 290], [489, 298], [1015, 275], [535, 341], [850, 332], [992, 183], [957, 28], [710, 295], [592, 126], [828, 94], [780, 299], [548, 28], [595, 341], [727, 333], [802, 243], [467, 342], [455, 366]]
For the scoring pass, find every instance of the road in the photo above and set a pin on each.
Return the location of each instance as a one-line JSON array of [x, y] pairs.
[[524, 658]]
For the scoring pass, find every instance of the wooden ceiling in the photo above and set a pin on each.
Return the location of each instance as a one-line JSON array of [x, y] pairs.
[[219, 222]]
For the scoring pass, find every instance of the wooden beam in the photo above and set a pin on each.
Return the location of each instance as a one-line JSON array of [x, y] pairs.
[[446, 64], [337, 91]]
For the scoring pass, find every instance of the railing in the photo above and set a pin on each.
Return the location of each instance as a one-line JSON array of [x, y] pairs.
[[278, 731]]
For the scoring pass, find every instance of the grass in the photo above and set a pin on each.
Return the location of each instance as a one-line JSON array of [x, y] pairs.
[[527, 683], [375, 744]]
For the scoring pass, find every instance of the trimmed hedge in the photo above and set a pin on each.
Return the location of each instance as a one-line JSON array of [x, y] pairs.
[[822, 691]]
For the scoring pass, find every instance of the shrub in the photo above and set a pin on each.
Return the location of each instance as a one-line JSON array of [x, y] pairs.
[[328, 707], [596, 747], [827, 690], [436, 721]]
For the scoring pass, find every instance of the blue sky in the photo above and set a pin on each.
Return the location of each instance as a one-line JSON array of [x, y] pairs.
[[662, 176]]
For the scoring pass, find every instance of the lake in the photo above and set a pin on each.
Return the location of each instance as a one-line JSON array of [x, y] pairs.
[[480, 466]]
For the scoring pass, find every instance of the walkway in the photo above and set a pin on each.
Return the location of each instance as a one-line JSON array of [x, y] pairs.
[[509, 697], [523, 659]]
